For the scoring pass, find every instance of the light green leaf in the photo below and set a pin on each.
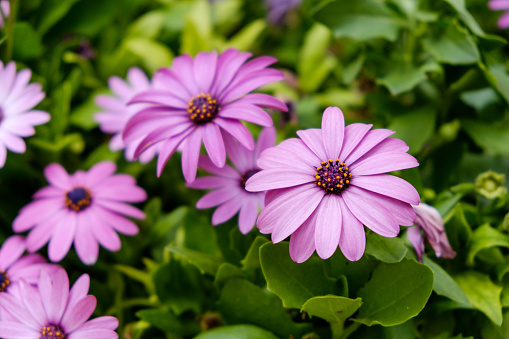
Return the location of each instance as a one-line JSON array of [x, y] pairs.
[[332, 308], [153, 55], [293, 283], [482, 293], [147, 26], [385, 249], [243, 302], [137, 275], [492, 137], [359, 20], [247, 37], [445, 285], [404, 125], [452, 45], [501, 79], [237, 332], [395, 293], [83, 115], [252, 260], [168, 322], [403, 78], [225, 272], [206, 263], [485, 237], [466, 17], [479, 99]]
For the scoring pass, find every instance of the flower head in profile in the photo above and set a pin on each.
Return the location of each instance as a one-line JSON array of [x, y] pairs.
[[17, 119], [51, 311], [501, 5], [86, 208], [228, 183], [116, 111], [429, 222], [323, 187], [15, 266], [198, 98]]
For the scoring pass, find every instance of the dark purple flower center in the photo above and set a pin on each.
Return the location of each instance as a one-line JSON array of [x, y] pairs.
[[248, 174], [333, 176], [78, 199], [202, 108], [52, 332], [4, 281]]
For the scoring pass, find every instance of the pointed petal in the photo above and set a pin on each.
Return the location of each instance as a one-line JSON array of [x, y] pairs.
[[353, 238], [333, 130], [328, 226]]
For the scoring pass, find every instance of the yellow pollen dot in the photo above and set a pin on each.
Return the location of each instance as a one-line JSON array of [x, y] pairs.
[[340, 186], [323, 163], [317, 176], [344, 174], [326, 174], [319, 168], [319, 183], [328, 179], [330, 160], [348, 181], [337, 185], [341, 181], [337, 176], [337, 160], [346, 168]]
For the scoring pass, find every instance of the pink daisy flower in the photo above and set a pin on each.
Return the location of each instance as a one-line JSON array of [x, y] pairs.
[[17, 119], [196, 99], [15, 266], [85, 208], [501, 5], [229, 182], [429, 221], [116, 112], [51, 311], [6, 11], [323, 187]]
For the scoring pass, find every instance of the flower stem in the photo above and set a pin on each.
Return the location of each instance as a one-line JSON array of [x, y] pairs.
[[10, 30]]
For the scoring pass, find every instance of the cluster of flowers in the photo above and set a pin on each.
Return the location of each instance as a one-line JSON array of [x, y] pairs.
[[319, 189]]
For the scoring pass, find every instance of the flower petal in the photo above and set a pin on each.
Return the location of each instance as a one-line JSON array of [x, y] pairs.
[[57, 176], [302, 241], [237, 130], [78, 313], [205, 70], [11, 250], [313, 139], [382, 163], [269, 179], [62, 237], [227, 210], [388, 185], [333, 130], [214, 144], [353, 238], [328, 226], [370, 140], [248, 214]]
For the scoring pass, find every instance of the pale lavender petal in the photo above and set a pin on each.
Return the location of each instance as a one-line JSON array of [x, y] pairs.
[[11, 304], [266, 139], [205, 183], [184, 69], [228, 63], [36, 212], [384, 162], [353, 239], [96, 333], [415, 237], [33, 302], [119, 223], [48, 192], [206, 164], [12, 142], [122, 208], [79, 290], [205, 69], [168, 148], [54, 292], [42, 232], [247, 84], [84, 242], [313, 139], [191, 153], [291, 151], [62, 237], [289, 212], [227, 210], [354, 133], [263, 100], [503, 21], [498, 5], [237, 130], [15, 330], [246, 112], [57, 176], [328, 226], [302, 241], [276, 178], [214, 144], [248, 214], [11, 250], [3, 154], [163, 98], [121, 193], [216, 197], [333, 130], [78, 313], [8, 77], [387, 145], [240, 156], [166, 79], [369, 212], [370, 140], [388, 185], [99, 172], [105, 322]]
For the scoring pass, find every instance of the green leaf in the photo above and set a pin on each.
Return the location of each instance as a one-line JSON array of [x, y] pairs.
[[153, 55], [445, 285], [332, 308], [352, 70], [137, 275], [314, 65], [404, 125], [492, 137], [395, 293], [479, 99], [199, 235], [83, 115], [52, 12], [293, 283], [244, 302], [452, 45], [248, 36], [403, 78], [385, 249], [359, 20], [466, 17], [147, 26], [237, 332], [206, 263], [225, 272], [168, 322], [252, 260], [27, 43], [482, 293], [485, 237], [501, 79], [496, 332]]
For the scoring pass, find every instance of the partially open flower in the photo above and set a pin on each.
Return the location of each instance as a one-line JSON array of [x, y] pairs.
[[429, 222]]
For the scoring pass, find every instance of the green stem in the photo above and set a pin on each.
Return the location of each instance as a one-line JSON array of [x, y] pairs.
[[350, 329], [337, 330], [10, 30]]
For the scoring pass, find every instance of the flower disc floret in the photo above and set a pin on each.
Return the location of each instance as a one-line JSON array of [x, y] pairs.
[[78, 199], [4, 281], [333, 176], [52, 332], [202, 108]]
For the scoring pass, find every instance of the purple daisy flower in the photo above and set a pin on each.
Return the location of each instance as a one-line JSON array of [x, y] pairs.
[[51, 311], [501, 5], [86, 207], [229, 182], [116, 112], [323, 187], [429, 221], [17, 119], [15, 266], [196, 99]]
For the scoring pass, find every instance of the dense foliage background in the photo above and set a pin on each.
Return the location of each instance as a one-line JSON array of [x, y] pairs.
[[433, 71]]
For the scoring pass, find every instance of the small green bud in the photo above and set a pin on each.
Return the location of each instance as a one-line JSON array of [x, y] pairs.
[[490, 184]]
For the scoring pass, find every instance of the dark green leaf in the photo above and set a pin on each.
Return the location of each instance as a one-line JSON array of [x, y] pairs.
[[27, 43], [468, 19], [492, 137], [206, 263], [485, 237], [404, 125], [385, 249], [237, 332], [403, 78]]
